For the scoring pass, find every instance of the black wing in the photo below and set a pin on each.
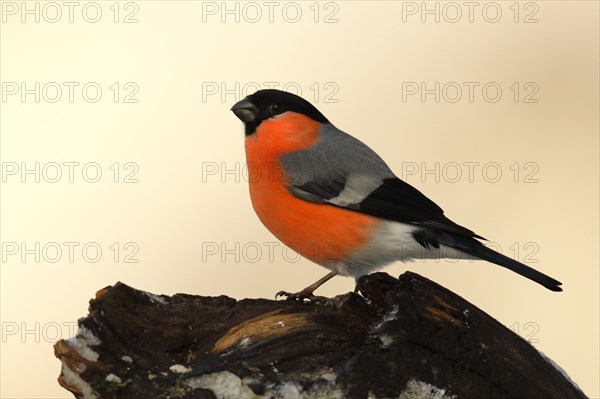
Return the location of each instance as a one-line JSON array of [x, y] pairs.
[[393, 200]]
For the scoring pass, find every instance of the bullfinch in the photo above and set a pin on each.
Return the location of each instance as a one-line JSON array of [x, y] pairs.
[[331, 198]]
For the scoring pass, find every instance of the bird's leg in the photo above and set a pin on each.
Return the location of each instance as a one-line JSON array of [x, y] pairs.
[[307, 293]]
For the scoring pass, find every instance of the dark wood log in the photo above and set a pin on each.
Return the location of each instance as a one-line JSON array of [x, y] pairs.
[[401, 337]]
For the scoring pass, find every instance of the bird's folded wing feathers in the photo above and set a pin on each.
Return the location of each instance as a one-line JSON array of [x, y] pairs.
[[392, 200]]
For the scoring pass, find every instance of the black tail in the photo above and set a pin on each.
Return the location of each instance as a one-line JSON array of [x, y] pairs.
[[477, 249]]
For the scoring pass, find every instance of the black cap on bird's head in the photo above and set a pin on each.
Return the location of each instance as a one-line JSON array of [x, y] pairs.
[[265, 104]]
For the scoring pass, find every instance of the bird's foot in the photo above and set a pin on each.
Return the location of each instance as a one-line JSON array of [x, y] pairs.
[[308, 295]]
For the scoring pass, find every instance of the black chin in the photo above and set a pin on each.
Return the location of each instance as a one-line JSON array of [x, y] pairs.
[[250, 127]]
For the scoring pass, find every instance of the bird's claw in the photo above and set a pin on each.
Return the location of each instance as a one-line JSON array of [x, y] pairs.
[[301, 296]]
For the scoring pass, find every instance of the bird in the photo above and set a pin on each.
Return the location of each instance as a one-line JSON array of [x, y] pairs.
[[331, 198]]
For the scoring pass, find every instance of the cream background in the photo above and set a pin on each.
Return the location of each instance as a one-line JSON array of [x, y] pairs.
[[367, 54]]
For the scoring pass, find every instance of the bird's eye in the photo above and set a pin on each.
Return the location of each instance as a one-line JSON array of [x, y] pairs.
[[275, 107]]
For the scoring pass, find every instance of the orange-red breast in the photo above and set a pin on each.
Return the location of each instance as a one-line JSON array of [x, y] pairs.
[[328, 196]]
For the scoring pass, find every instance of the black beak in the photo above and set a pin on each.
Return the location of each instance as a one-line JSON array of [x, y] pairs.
[[245, 110]]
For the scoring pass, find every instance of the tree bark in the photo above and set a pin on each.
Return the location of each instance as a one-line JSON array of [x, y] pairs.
[[400, 337]]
